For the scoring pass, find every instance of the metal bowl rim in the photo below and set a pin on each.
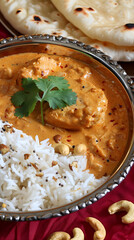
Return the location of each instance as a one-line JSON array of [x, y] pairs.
[[128, 84]]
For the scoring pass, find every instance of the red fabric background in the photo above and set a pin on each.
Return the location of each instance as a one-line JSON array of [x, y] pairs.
[[40, 230]]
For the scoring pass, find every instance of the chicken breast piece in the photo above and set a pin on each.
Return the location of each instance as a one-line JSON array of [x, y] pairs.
[[89, 110], [91, 102], [38, 68]]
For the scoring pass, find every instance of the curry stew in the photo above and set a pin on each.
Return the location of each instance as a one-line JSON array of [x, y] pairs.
[[99, 119]]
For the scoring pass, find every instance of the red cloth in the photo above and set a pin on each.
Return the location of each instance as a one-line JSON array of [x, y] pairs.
[[3, 32], [40, 230]]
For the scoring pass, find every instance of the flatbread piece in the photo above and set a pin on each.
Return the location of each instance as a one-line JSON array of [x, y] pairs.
[[111, 20]]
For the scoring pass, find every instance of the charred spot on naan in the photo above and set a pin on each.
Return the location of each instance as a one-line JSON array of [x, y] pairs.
[[83, 10], [18, 11], [21, 13], [91, 9], [129, 26], [78, 9], [37, 18]]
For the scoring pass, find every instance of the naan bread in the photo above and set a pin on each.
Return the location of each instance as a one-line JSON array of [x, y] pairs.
[[34, 17], [41, 17], [104, 20]]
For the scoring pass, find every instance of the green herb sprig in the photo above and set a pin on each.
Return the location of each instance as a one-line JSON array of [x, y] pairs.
[[53, 89]]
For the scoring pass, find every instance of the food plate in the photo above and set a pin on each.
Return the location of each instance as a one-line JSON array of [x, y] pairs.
[[77, 50]]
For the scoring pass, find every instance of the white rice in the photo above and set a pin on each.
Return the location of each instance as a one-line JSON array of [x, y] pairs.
[[22, 190]]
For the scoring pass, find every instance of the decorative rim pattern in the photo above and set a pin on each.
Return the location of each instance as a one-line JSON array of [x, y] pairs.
[[125, 168]]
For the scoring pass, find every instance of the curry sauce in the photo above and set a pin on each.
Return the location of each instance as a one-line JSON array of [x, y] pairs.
[[99, 119]]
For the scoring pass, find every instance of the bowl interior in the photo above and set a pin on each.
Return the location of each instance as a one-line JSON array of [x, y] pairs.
[[105, 68]]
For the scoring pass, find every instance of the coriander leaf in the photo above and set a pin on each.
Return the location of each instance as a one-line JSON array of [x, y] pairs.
[[25, 99], [38, 97], [60, 99], [59, 82], [27, 82], [44, 85], [18, 98], [55, 99], [51, 82], [27, 107], [69, 96], [53, 90], [20, 112]]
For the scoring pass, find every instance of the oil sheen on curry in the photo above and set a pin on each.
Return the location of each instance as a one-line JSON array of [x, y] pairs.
[[98, 120]]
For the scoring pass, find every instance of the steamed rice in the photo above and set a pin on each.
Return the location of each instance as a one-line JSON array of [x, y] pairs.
[[21, 189]]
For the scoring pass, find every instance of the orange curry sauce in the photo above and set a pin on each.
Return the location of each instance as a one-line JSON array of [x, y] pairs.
[[99, 119]]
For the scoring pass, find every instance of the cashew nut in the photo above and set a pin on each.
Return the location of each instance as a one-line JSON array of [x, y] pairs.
[[80, 149], [59, 236], [100, 231], [73, 164], [123, 205], [78, 234], [62, 149]]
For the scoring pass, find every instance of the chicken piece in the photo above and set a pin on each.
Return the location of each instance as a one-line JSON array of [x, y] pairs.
[[89, 110], [38, 68], [6, 73], [91, 102]]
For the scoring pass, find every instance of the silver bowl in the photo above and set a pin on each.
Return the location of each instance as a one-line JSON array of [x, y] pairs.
[[77, 50]]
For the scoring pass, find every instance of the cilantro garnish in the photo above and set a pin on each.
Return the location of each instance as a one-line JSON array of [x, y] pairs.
[[54, 90]]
